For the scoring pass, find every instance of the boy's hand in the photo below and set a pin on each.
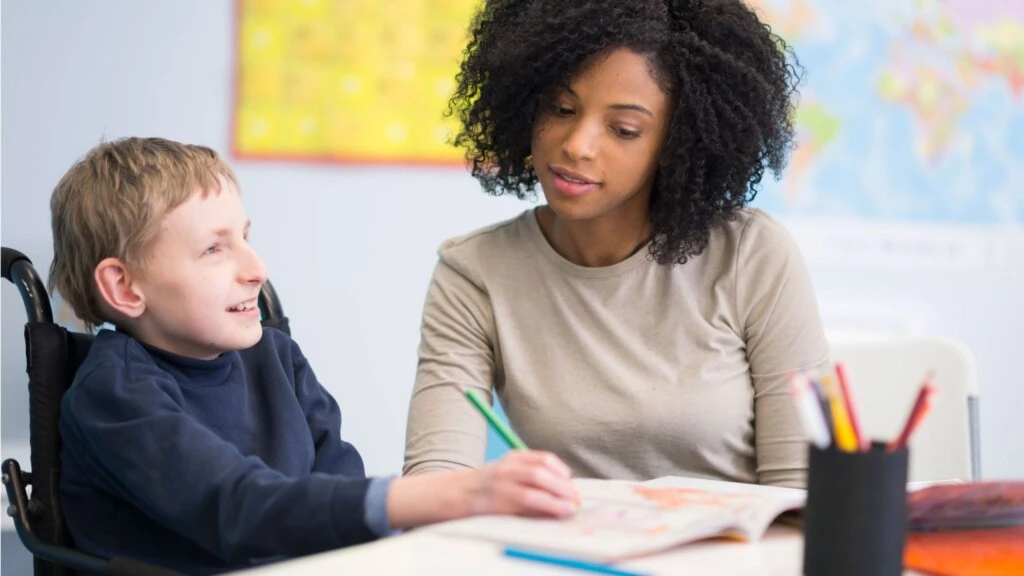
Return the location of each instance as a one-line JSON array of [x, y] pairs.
[[524, 483]]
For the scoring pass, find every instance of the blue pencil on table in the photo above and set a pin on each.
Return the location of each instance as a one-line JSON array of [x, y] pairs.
[[567, 562]]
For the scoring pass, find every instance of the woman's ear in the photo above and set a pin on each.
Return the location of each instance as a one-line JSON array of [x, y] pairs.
[[117, 288]]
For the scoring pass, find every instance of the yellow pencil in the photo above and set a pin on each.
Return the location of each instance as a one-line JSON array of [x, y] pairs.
[[846, 438]]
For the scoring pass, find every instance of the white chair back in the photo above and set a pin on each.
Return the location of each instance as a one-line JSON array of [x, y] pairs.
[[885, 374]]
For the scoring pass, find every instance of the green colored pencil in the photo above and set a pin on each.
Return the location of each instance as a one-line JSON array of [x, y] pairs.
[[500, 427]]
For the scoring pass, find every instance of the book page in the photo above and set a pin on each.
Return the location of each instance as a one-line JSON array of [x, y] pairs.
[[619, 520], [755, 506]]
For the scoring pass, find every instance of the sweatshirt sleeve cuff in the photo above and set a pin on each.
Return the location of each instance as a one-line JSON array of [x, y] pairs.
[[376, 507]]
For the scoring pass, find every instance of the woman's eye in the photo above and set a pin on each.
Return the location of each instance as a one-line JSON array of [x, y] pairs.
[[626, 133]]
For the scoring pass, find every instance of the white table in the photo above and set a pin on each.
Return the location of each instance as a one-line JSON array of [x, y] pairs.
[[780, 553]]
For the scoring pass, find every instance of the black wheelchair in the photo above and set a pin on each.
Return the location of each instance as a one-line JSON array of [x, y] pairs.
[[53, 355]]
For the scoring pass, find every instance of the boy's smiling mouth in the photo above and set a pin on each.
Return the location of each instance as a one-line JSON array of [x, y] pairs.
[[243, 306]]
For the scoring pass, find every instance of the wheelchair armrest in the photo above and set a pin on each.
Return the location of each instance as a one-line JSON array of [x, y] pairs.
[[19, 511], [15, 482]]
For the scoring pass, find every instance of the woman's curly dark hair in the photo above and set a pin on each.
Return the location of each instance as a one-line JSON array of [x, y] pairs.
[[731, 82]]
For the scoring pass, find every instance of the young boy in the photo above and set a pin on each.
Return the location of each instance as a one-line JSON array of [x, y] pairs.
[[192, 437]]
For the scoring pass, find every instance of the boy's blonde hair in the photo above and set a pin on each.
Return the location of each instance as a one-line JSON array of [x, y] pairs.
[[111, 203]]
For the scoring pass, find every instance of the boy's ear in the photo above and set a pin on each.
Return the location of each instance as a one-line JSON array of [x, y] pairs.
[[117, 288]]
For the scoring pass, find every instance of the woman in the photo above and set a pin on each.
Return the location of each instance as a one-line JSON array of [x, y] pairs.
[[643, 322]]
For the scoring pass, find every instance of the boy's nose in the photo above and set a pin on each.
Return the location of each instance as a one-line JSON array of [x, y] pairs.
[[253, 270]]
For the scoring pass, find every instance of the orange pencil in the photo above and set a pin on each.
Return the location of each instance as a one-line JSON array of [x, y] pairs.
[[844, 388], [921, 407]]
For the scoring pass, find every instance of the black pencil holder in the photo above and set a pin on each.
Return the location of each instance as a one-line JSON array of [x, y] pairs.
[[855, 519]]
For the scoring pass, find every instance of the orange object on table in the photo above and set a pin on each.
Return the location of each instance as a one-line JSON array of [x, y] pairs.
[[973, 552]]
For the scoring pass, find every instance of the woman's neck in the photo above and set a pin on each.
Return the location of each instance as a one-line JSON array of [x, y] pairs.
[[598, 242]]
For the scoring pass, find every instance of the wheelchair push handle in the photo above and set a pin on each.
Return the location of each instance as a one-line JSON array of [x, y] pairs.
[[10, 255], [18, 269]]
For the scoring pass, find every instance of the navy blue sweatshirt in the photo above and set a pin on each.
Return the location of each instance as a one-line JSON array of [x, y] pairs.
[[205, 466]]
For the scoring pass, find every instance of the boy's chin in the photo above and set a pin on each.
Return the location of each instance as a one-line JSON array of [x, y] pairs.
[[242, 340], [250, 338]]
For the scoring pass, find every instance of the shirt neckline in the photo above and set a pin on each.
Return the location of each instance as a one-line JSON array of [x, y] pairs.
[[637, 259]]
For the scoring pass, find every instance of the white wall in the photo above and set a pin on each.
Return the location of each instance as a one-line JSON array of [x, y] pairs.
[[350, 249]]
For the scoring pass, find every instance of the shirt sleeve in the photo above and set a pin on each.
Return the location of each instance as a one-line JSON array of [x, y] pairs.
[[783, 334], [376, 506], [137, 443], [444, 432], [332, 454]]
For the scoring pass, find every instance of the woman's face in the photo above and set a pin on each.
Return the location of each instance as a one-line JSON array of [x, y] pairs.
[[595, 147]]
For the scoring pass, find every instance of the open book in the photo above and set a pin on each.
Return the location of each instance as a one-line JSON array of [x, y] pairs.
[[619, 520]]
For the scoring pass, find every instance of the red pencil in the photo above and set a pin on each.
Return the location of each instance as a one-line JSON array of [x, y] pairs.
[[844, 387], [921, 407]]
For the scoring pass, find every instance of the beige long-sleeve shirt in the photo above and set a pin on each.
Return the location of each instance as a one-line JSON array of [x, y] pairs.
[[630, 371]]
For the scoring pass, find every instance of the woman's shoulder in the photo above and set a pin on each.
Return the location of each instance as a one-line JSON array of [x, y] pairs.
[[749, 230], [749, 221], [746, 240], [494, 244]]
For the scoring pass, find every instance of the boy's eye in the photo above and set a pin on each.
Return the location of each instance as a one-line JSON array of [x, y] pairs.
[[212, 249]]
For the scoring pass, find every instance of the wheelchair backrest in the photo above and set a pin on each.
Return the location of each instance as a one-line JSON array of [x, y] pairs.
[[53, 355]]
